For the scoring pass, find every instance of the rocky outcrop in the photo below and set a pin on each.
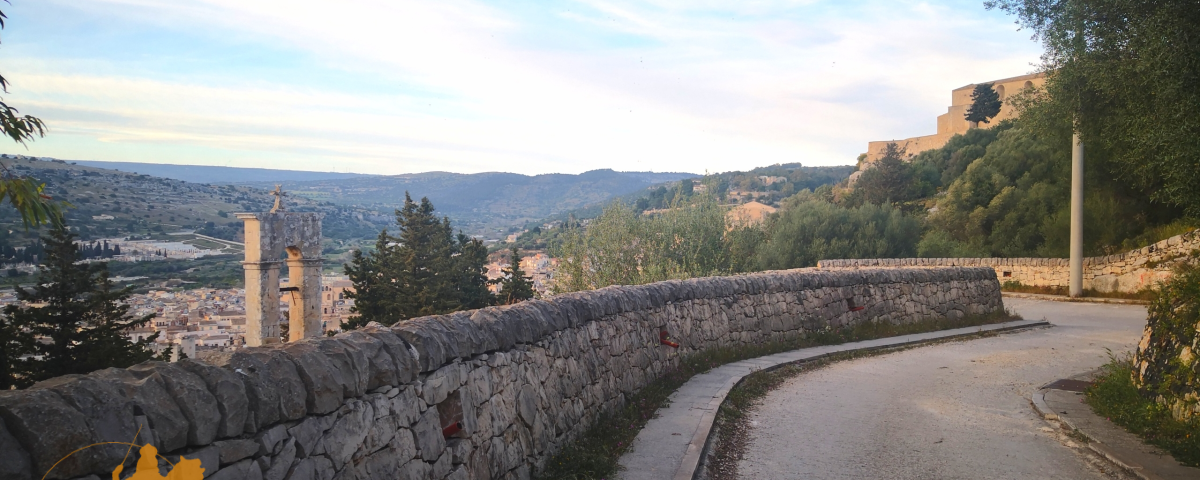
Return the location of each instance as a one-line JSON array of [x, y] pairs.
[[1166, 366], [483, 394], [1128, 272]]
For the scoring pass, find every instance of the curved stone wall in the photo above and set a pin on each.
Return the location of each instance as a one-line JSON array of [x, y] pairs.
[[1128, 272], [513, 383]]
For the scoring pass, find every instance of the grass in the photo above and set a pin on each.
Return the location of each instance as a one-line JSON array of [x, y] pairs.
[[1018, 287], [1114, 396], [732, 434], [595, 453]]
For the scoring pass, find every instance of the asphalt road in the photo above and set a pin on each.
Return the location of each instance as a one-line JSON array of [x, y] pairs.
[[958, 410]]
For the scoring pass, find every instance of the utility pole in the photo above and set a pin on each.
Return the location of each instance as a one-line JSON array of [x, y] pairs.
[[1076, 264]]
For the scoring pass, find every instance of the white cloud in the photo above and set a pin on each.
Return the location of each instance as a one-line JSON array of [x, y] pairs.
[[713, 86]]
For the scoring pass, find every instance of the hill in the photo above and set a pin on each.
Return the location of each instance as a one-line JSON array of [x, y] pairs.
[[111, 203], [218, 175], [489, 204]]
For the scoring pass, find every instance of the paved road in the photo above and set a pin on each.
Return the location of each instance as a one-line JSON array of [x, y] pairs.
[[957, 410]]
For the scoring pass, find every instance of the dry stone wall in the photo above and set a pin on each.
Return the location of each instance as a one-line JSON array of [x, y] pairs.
[[484, 394], [1127, 272]]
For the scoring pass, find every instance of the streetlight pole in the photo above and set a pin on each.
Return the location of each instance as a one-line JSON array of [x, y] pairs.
[[1076, 264]]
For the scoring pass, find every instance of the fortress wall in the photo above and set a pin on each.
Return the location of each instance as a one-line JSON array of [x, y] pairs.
[[525, 379], [1127, 272]]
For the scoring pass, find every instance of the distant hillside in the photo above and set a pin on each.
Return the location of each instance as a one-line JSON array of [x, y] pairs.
[[485, 204], [110, 203], [207, 174], [488, 204]]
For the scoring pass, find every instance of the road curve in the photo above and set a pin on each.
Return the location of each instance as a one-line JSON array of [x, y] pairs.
[[956, 410]]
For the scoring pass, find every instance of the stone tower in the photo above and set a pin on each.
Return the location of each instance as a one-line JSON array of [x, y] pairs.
[[270, 237]]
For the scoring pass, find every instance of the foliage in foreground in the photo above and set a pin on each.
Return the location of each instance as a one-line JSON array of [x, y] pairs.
[[1166, 357], [80, 328], [1114, 396], [595, 453], [1126, 72]]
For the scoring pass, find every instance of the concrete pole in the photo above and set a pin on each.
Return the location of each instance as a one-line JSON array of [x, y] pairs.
[[1076, 264]]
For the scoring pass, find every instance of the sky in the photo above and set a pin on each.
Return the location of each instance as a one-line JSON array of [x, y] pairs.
[[396, 86]]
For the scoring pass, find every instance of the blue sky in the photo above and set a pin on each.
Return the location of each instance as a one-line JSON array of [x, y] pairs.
[[393, 86]]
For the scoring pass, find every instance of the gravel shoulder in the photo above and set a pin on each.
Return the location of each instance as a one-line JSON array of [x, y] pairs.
[[954, 410]]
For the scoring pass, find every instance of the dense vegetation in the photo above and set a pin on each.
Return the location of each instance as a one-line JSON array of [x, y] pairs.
[[1002, 191], [1126, 72], [425, 269], [79, 327]]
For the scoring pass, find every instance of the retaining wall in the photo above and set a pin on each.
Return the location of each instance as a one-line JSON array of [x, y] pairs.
[[1127, 272], [374, 403]]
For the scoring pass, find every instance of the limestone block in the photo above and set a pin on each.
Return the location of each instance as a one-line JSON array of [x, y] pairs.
[[107, 411], [231, 451], [243, 470], [324, 390], [227, 390], [309, 432], [150, 395], [430, 339], [428, 433], [210, 459], [269, 440], [381, 367], [14, 460], [191, 395], [262, 398], [44, 426], [343, 439], [281, 464], [353, 369], [313, 468], [415, 469], [403, 355]]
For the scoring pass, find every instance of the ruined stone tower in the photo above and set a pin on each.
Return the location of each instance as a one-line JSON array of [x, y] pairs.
[[271, 236]]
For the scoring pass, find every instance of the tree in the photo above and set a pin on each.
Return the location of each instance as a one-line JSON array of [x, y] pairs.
[[1124, 74], [888, 180], [376, 289], [423, 270], [985, 104], [470, 271], [82, 325], [25, 193], [515, 287]]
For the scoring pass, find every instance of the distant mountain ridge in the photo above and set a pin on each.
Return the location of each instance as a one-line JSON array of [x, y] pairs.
[[215, 174], [487, 204]]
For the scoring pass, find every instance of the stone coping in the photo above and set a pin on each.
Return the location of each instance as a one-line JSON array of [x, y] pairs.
[[1063, 409]]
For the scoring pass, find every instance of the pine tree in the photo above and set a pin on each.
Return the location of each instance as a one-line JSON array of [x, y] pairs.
[[425, 247], [424, 270], [83, 323], [985, 104], [515, 287], [376, 287], [470, 262]]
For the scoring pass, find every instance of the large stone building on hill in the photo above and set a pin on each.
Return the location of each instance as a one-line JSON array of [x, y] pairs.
[[954, 121]]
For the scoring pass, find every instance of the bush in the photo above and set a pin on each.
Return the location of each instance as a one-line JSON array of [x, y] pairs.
[[1166, 357], [1114, 396]]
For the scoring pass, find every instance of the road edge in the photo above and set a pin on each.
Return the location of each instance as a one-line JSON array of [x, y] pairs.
[[690, 466]]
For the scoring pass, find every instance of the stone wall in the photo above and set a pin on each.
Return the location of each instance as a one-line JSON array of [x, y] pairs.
[[520, 381], [1127, 272]]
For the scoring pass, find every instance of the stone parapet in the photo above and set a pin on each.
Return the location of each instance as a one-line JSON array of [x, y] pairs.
[[1128, 272], [483, 394]]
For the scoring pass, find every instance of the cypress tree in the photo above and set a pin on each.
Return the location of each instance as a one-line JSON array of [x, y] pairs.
[[82, 324], [985, 104], [515, 287]]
